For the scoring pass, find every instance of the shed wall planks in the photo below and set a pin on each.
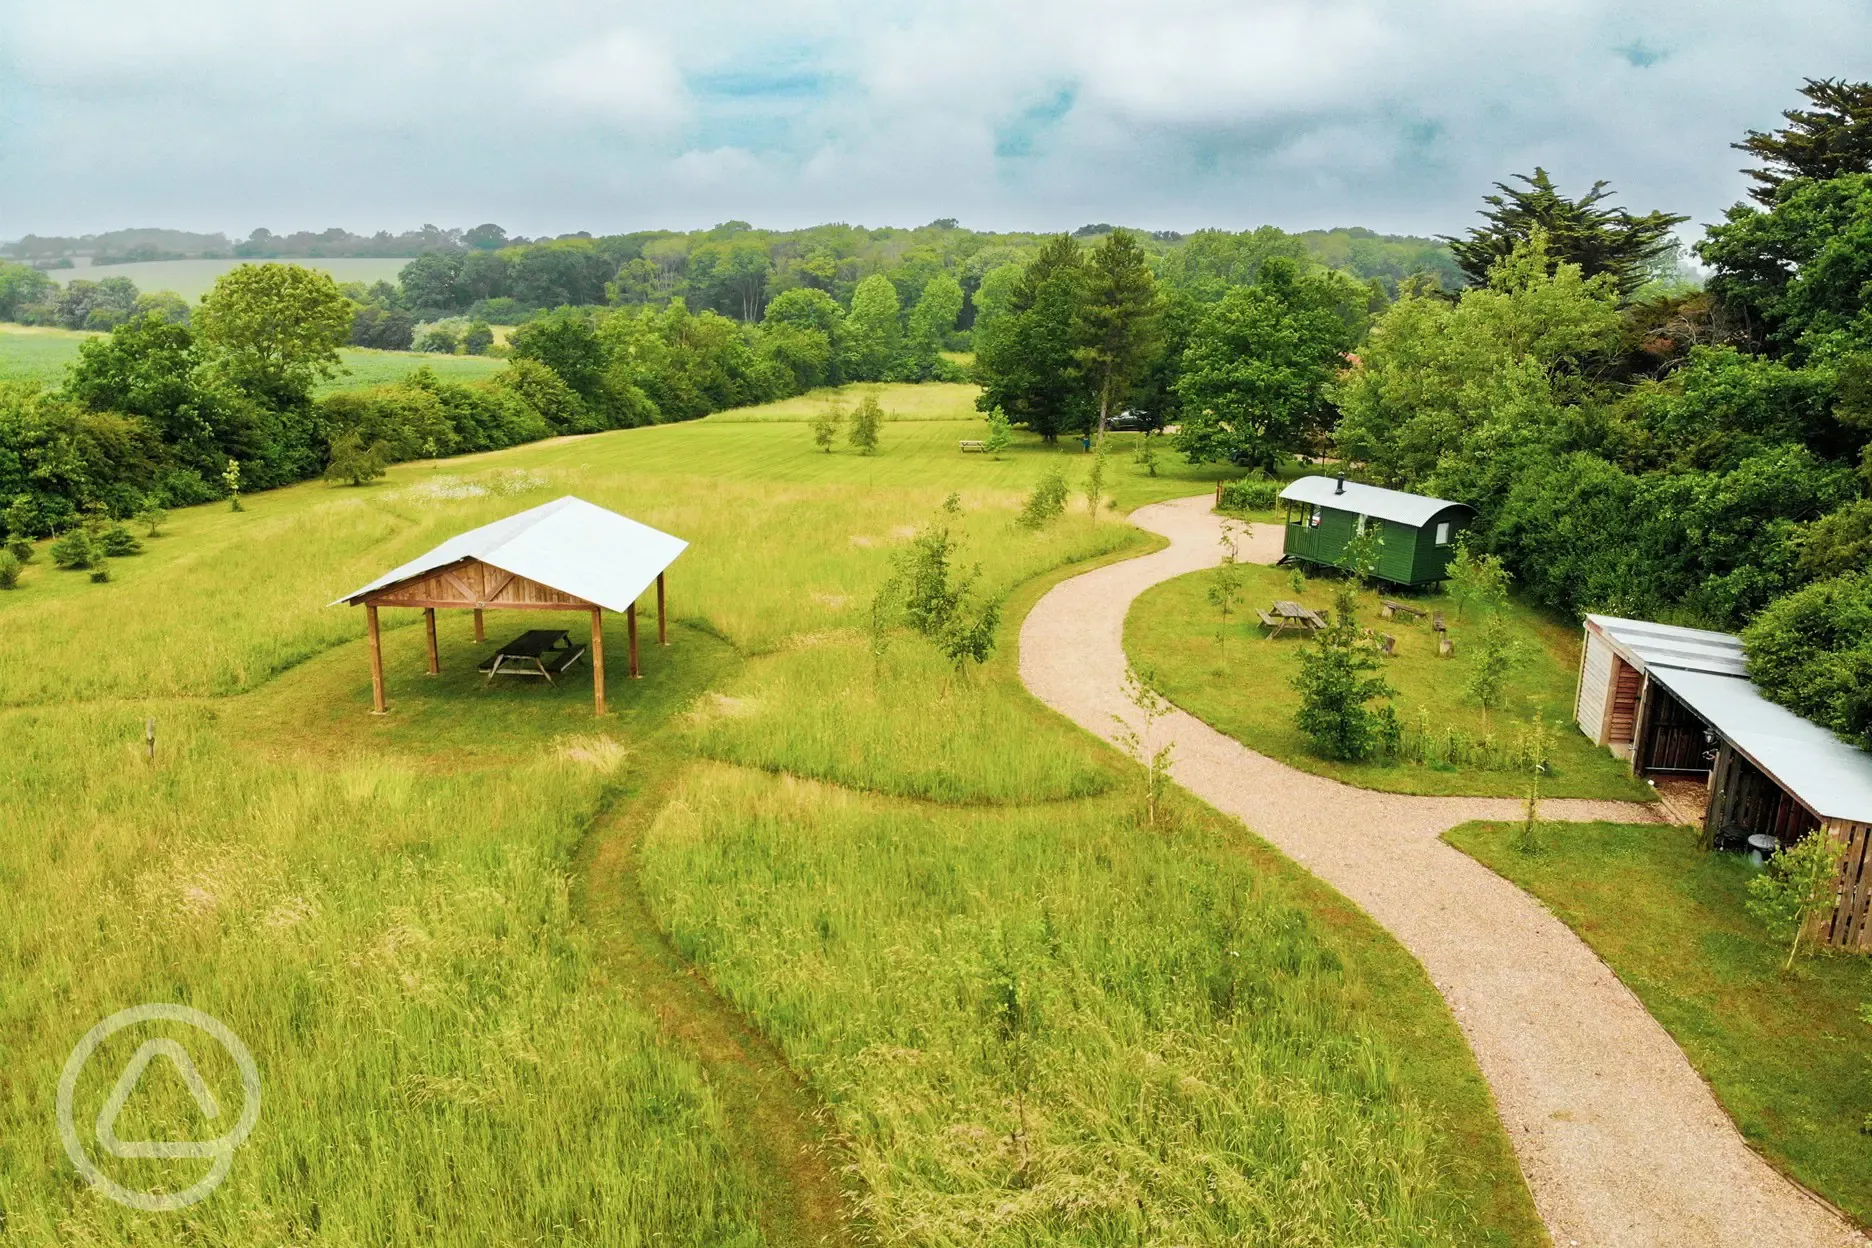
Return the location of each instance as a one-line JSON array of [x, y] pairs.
[[1850, 924], [1595, 683]]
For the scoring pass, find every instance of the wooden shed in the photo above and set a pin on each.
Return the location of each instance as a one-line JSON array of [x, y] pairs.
[[1418, 533], [566, 555], [1679, 704]]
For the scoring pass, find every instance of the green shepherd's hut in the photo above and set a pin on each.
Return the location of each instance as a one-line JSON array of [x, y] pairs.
[[1324, 513]]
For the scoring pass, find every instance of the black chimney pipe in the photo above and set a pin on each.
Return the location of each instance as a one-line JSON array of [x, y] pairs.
[[1341, 488]]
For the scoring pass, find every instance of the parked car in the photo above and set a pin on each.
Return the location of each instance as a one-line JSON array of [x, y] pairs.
[[1130, 421]]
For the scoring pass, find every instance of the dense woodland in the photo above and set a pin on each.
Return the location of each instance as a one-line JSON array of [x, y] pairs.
[[1635, 442]]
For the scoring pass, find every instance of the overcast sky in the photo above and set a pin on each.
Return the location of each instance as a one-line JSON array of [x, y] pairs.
[[551, 116]]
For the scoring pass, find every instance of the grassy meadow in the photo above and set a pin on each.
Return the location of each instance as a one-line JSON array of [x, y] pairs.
[[1785, 1053], [1239, 681], [194, 278], [1028, 1017], [40, 355]]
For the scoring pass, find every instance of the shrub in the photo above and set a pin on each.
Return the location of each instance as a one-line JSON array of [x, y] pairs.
[[1250, 494], [1812, 652], [865, 420], [76, 550], [1046, 502], [1797, 888], [119, 542], [1000, 433], [353, 461], [20, 547], [100, 571], [9, 570], [1335, 688], [152, 518]]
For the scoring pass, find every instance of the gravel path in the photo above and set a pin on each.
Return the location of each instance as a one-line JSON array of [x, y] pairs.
[[1621, 1141]]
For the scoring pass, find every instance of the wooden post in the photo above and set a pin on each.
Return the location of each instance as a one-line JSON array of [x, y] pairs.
[[378, 705], [662, 614], [597, 649], [480, 628], [630, 618], [435, 660]]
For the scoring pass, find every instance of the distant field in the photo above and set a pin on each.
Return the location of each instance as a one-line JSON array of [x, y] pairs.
[[29, 353], [194, 278]]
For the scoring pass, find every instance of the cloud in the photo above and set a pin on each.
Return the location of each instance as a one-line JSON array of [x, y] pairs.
[[622, 76], [1013, 113]]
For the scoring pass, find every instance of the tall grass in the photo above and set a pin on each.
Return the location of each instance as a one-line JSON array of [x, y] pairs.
[[442, 1062], [1045, 1027]]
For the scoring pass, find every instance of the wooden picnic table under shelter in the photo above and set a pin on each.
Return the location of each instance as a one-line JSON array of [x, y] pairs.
[[566, 555]]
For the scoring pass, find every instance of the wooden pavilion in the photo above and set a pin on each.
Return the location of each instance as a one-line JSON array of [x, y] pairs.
[[566, 555]]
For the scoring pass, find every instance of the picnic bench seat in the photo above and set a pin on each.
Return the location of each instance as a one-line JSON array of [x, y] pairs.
[[972, 444], [1269, 621], [1390, 608], [542, 652]]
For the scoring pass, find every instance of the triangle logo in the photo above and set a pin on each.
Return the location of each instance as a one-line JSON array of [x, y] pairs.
[[126, 1084]]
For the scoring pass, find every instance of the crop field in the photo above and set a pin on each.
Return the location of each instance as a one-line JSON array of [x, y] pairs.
[[40, 355], [194, 278], [1240, 682], [804, 925]]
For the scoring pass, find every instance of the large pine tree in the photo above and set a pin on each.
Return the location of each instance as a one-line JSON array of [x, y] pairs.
[[1579, 231], [1833, 138]]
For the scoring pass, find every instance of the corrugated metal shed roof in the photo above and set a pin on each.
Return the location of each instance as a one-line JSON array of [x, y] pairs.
[[1833, 779], [1368, 500], [567, 544], [1668, 645]]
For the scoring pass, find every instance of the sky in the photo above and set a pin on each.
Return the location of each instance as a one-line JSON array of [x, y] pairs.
[[552, 116]]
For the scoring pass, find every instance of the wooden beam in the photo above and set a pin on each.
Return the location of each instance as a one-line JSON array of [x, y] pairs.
[[451, 604], [480, 626], [435, 660], [630, 618], [597, 653], [378, 705], [662, 614]]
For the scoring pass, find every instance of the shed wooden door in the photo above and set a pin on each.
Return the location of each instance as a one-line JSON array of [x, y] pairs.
[[1850, 924], [1627, 683]]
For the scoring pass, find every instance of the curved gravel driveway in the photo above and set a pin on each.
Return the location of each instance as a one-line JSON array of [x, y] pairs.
[[1621, 1141]]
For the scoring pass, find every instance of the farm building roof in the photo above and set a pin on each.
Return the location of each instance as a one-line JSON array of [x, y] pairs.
[[1368, 500], [568, 544], [1668, 645], [1830, 777]]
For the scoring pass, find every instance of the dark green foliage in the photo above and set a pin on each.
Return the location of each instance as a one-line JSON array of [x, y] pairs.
[[1797, 276], [1837, 543], [1118, 322], [76, 550], [1027, 359], [1830, 139], [21, 548], [1812, 652], [10, 565], [1254, 376], [118, 542], [1337, 688], [478, 338], [1578, 231]]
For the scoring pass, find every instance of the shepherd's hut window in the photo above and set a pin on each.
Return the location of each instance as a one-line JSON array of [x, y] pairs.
[[1442, 533]]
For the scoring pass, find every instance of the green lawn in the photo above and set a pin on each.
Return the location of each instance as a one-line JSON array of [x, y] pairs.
[[1240, 683], [1787, 1055], [194, 278], [36, 354], [1029, 1018]]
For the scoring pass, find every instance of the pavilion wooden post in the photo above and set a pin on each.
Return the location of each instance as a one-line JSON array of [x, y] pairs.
[[378, 706], [480, 628], [662, 614], [630, 618], [435, 660], [597, 649]]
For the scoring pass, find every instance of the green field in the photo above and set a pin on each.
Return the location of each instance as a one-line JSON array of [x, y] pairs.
[[1785, 1053], [949, 980], [1239, 682], [194, 278], [40, 355]]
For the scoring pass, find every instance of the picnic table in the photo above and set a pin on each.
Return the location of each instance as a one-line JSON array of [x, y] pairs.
[[1287, 614], [542, 652], [976, 445]]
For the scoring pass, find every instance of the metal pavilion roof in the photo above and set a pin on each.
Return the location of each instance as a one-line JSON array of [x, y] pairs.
[[568, 544], [1368, 500]]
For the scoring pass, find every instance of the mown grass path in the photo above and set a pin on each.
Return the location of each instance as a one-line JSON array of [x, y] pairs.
[[773, 1122], [1622, 1143]]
